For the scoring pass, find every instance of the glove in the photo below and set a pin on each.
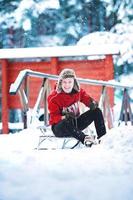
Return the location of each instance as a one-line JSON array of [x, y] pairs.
[[93, 105], [68, 115]]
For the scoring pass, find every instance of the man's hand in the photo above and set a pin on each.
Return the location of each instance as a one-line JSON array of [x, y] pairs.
[[93, 105], [68, 115]]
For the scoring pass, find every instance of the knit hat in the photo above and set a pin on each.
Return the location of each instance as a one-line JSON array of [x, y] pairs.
[[67, 73]]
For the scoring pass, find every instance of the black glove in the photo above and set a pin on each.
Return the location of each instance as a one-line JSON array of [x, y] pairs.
[[68, 115], [93, 105]]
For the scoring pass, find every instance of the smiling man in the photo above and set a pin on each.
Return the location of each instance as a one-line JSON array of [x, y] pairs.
[[65, 117]]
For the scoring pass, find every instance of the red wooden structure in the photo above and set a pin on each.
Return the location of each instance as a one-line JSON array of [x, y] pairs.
[[98, 69]]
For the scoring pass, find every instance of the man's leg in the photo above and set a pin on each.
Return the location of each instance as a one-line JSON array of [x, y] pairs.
[[66, 128], [90, 116]]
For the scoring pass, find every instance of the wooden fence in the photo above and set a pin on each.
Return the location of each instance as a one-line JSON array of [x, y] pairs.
[[17, 87]]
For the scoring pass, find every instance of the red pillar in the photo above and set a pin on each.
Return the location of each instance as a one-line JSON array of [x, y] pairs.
[[54, 69], [109, 67], [109, 75], [4, 97], [54, 65]]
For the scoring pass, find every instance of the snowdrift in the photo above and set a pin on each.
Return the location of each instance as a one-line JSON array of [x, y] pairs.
[[102, 172]]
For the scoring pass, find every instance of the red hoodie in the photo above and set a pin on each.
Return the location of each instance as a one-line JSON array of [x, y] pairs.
[[57, 102]]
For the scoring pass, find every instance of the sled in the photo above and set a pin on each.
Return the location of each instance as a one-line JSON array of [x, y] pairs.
[[47, 141]]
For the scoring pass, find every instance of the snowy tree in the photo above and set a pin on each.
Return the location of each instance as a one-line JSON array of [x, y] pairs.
[[36, 23], [19, 21], [27, 23], [119, 24]]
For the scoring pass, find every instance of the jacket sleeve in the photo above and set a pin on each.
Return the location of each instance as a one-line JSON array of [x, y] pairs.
[[85, 98], [55, 114]]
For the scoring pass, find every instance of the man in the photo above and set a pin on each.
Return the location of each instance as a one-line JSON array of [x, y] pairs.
[[65, 117]]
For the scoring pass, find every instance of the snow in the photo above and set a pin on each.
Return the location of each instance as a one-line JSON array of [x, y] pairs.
[[103, 172], [36, 8], [121, 37], [18, 17], [59, 51]]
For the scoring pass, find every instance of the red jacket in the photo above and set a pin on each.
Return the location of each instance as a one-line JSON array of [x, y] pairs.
[[57, 102]]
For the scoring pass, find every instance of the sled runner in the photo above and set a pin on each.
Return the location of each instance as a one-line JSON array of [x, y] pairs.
[[47, 140]]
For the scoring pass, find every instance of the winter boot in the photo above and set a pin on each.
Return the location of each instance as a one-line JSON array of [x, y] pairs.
[[90, 140]]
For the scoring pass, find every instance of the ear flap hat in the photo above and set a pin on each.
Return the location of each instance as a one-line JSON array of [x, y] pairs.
[[67, 73]]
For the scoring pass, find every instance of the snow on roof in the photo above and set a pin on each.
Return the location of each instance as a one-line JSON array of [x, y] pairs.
[[60, 51], [120, 37]]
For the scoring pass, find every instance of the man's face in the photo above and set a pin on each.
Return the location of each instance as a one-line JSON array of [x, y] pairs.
[[67, 84]]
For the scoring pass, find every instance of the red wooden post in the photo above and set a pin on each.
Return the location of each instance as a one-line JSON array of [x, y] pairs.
[[54, 65], [54, 68], [4, 97]]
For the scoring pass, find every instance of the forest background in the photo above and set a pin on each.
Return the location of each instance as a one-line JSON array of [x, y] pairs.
[[40, 23]]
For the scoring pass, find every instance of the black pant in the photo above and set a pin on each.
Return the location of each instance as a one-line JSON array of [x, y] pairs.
[[73, 128]]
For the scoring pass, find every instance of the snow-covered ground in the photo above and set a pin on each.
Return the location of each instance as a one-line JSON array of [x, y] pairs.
[[103, 172]]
